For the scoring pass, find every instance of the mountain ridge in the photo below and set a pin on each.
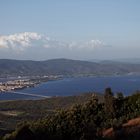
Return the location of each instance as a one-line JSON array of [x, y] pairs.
[[64, 67]]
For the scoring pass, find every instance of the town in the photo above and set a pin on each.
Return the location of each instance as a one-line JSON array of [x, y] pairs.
[[22, 82], [16, 84]]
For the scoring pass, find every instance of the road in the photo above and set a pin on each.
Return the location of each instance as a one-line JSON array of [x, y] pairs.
[[28, 94]]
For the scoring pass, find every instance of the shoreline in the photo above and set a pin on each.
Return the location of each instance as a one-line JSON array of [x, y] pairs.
[[17, 84]]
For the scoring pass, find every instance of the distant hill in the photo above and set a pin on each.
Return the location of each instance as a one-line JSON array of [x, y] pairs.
[[119, 60], [65, 67], [130, 60]]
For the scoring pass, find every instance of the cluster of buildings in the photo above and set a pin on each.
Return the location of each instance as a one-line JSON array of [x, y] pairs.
[[26, 82], [15, 84]]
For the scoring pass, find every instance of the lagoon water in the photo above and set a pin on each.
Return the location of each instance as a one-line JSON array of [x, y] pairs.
[[75, 86]]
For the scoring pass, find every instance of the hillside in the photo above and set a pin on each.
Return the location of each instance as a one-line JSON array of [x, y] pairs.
[[64, 67], [13, 112], [116, 118]]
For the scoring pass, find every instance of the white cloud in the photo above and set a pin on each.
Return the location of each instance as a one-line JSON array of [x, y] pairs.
[[18, 42], [21, 41], [88, 46], [95, 43], [37, 46]]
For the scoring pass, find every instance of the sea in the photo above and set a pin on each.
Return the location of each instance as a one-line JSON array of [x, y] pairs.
[[128, 85]]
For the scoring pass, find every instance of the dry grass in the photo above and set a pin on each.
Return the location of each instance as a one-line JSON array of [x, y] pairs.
[[133, 122], [132, 127]]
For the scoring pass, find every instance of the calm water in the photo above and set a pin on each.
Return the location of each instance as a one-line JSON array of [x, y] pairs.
[[75, 86]]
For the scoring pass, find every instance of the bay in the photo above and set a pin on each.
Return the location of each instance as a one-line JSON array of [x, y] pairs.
[[75, 86]]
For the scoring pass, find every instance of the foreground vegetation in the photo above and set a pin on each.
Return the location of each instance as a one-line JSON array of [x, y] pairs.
[[84, 121], [13, 112]]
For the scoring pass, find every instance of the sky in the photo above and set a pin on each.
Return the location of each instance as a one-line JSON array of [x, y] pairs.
[[74, 29]]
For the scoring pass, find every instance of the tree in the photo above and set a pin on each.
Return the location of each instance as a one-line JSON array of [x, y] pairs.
[[120, 96], [109, 103], [119, 105]]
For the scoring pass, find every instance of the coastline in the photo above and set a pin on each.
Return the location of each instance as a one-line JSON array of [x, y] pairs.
[[21, 83]]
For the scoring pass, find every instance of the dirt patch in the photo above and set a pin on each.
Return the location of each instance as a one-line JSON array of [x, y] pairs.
[[13, 113]]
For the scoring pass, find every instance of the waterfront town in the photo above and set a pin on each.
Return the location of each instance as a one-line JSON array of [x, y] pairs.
[[16, 84], [25, 83]]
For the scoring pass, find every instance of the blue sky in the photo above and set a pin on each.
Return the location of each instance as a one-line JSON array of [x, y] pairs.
[[113, 27]]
